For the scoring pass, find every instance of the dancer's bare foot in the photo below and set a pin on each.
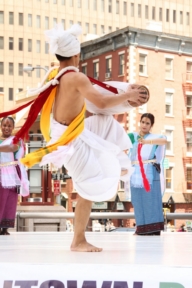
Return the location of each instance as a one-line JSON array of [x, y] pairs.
[[123, 172], [84, 246]]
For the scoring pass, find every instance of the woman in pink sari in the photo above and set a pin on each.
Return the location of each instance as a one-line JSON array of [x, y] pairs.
[[13, 177]]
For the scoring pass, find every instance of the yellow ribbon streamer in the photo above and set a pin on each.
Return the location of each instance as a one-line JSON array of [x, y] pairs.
[[72, 131]]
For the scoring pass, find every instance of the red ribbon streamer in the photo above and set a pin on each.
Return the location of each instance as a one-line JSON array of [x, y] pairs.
[[145, 180], [37, 105]]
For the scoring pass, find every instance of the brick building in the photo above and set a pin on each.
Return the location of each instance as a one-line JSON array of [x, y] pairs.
[[162, 62]]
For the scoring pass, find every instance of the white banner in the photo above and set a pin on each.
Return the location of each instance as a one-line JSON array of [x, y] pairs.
[[93, 276]]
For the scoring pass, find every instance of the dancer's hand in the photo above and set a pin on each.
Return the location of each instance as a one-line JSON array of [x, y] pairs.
[[139, 95]]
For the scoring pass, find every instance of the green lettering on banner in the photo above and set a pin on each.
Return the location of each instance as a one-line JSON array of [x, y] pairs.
[[170, 285]]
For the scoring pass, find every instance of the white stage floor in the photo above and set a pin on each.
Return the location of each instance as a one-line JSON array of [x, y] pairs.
[[44, 260]]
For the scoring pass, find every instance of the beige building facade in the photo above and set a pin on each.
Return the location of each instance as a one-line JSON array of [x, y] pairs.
[[22, 24]]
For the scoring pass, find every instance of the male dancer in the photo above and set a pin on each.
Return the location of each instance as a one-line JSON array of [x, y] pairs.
[[95, 158]]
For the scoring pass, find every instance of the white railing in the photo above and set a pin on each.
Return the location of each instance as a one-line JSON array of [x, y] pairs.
[[94, 215]]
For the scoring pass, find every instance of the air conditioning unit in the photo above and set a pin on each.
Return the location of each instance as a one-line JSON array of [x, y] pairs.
[[108, 75]]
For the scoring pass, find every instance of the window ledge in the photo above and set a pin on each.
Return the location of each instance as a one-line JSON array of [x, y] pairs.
[[169, 115], [143, 75], [169, 79], [121, 75], [189, 190], [169, 153], [169, 190]]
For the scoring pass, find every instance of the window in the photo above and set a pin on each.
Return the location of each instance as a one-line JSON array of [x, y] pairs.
[[181, 17], [146, 12], [168, 68], [124, 8], [139, 10], [1, 17], [189, 178], [132, 9], [38, 21], [142, 64], [29, 20], [79, 23], [117, 7], [46, 22], [38, 71], [108, 67], [94, 5], [160, 14], [70, 22], [121, 64], [84, 69], [29, 45], [20, 19], [1, 68], [1, 42], [102, 6], [54, 21], [46, 48], [167, 15], [187, 18], [96, 70], [169, 145], [189, 105], [86, 28], [71, 3], [169, 103], [189, 141], [109, 6], [20, 69], [153, 13], [54, 1], [29, 73], [11, 68], [10, 43], [79, 3], [1, 89], [20, 44], [121, 185], [102, 29], [94, 28], [63, 23], [189, 67], [174, 16], [38, 47], [62, 2], [11, 18], [169, 178], [87, 4], [10, 94]]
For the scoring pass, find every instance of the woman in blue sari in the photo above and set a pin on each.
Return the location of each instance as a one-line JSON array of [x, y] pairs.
[[147, 204]]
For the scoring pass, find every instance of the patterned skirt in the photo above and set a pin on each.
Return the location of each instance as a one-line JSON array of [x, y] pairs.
[[148, 207]]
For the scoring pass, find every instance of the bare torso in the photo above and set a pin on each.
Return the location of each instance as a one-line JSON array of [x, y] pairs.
[[68, 102]]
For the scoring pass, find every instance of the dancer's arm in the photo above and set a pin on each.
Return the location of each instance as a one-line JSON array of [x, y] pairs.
[[86, 89], [9, 148], [158, 141]]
